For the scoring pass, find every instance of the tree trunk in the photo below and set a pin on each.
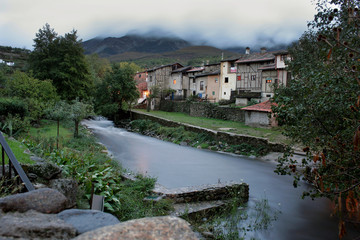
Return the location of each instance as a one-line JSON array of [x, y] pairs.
[[76, 132], [57, 137]]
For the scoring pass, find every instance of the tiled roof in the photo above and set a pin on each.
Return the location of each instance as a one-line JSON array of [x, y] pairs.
[[199, 69], [183, 69], [261, 107], [268, 67], [256, 57], [217, 72]]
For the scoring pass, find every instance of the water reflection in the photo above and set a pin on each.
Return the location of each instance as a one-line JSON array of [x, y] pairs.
[[179, 166]]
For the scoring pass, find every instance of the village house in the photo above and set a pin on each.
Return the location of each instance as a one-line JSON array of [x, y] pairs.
[[178, 82], [207, 82], [191, 75], [227, 78], [260, 115], [141, 84], [159, 76], [257, 73]]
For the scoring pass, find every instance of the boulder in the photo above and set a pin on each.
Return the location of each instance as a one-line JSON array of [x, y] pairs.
[[87, 220], [44, 170], [34, 225], [155, 228], [68, 187], [44, 200]]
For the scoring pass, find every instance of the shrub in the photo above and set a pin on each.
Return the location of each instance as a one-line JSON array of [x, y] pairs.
[[13, 106]]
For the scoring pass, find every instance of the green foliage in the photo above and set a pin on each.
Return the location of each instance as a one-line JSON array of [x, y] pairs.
[[118, 88], [82, 160], [14, 124], [13, 106], [98, 67], [320, 107], [61, 59], [37, 94], [78, 111]]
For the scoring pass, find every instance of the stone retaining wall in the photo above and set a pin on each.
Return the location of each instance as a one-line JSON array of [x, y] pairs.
[[234, 139], [220, 191], [203, 109]]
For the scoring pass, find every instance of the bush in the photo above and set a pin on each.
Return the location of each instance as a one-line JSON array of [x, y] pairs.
[[13, 106]]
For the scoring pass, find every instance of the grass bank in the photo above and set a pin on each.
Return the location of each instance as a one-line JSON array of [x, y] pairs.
[[273, 134], [84, 160]]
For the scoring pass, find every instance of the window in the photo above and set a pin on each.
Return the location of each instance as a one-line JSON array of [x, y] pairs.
[[201, 85], [239, 78], [139, 75], [194, 81], [226, 79], [268, 81], [253, 77], [174, 81], [213, 93], [150, 78], [224, 93], [216, 80]]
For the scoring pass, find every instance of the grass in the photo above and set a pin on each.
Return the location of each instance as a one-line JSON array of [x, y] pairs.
[[48, 129], [18, 149], [273, 134]]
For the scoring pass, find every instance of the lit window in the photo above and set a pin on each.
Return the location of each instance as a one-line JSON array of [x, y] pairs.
[[174, 81], [268, 80]]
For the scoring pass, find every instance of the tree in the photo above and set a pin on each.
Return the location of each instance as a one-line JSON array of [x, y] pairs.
[[38, 94], [78, 111], [118, 91], [61, 59], [58, 112], [319, 108]]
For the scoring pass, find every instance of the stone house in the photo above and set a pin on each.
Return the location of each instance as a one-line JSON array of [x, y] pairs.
[[260, 115], [159, 76], [178, 81], [257, 73], [208, 82], [141, 84], [191, 79]]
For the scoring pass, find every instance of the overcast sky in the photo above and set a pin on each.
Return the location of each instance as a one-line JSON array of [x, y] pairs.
[[222, 23]]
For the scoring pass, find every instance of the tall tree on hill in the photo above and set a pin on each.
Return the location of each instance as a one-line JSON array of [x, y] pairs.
[[61, 59], [117, 91], [320, 107]]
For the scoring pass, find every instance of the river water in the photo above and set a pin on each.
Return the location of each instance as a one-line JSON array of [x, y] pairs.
[[179, 166]]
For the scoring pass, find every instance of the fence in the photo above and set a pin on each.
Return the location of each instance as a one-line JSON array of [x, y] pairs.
[[14, 165]]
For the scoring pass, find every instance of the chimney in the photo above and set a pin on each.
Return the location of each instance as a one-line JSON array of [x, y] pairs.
[[263, 50], [247, 50]]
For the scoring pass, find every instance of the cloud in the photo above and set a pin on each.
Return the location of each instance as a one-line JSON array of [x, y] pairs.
[[221, 23]]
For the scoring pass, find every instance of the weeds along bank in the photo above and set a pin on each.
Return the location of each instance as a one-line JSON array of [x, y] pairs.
[[194, 136], [82, 159]]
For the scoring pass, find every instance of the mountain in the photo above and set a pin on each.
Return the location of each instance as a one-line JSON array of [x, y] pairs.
[[132, 43]]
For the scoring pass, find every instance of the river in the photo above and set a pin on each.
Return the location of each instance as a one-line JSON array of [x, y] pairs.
[[179, 166]]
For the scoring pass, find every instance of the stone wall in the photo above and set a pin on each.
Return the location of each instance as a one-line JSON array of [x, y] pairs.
[[203, 109], [234, 139]]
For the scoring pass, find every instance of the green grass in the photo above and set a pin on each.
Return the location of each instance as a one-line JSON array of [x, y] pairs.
[[48, 129], [18, 149], [273, 134]]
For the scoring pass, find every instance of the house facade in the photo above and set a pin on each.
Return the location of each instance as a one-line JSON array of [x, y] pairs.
[[178, 81], [141, 84], [227, 78], [160, 76], [257, 74]]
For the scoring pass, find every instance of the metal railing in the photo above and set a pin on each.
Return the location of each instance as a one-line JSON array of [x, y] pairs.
[[14, 165]]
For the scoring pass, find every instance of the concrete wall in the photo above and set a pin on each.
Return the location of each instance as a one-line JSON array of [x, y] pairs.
[[254, 118]]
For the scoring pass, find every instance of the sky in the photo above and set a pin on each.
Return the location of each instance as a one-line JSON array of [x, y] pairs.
[[220, 23]]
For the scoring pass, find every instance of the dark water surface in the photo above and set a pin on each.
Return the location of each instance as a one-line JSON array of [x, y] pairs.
[[179, 166]]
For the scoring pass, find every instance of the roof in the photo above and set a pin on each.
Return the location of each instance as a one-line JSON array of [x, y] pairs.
[[281, 52], [162, 66], [256, 57], [268, 67], [231, 59], [183, 69], [198, 69], [261, 107], [217, 72]]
